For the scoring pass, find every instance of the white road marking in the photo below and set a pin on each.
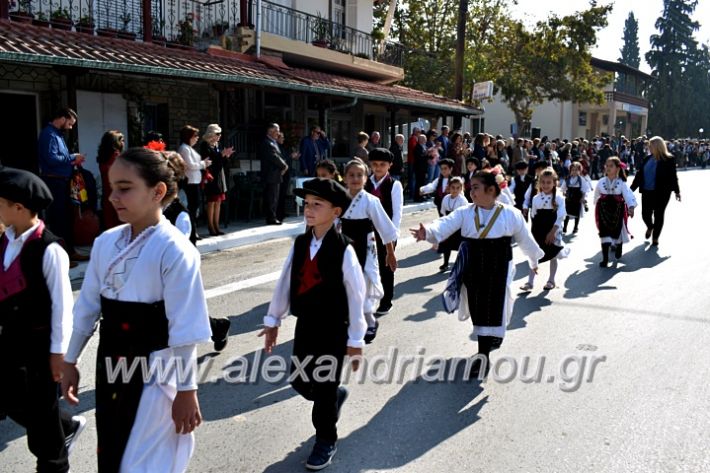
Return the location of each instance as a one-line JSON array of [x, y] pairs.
[[267, 278]]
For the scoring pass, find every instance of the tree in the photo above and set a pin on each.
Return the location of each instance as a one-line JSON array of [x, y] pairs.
[[552, 62], [674, 58], [630, 52]]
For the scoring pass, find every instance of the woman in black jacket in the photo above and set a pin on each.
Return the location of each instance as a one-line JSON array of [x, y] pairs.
[[656, 178]]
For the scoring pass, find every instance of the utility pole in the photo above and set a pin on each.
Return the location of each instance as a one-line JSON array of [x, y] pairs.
[[460, 47]]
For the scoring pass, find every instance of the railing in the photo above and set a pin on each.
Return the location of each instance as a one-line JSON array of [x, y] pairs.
[[626, 98], [190, 21], [317, 30], [112, 17]]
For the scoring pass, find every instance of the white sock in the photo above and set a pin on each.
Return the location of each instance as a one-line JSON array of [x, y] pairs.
[[370, 317], [553, 269], [531, 277]]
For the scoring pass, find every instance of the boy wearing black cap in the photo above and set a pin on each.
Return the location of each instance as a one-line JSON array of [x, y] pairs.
[[520, 183], [321, 284], [391, 195], [439, 186], [35, 321]]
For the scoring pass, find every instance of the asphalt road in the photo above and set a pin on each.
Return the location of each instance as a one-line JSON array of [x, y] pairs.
[[623, 356]]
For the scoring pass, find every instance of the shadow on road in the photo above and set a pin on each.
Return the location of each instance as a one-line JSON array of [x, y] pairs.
[[524, 306], [399, 433], [584, 283]]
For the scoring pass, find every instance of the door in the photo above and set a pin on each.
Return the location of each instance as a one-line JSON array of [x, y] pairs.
[[98, 113], [20, 150]]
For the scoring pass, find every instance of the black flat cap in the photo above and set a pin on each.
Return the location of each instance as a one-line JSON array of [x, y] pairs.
[[24, 188], [380, 154], [326, 189]]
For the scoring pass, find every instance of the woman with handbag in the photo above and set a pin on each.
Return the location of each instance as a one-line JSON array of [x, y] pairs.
[[195, 168], [214, 181]]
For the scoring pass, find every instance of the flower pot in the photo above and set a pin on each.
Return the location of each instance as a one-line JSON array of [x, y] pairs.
[[219, 30], [21, 17], [320, 43], [61, 24], [127, 35], [107, 32], [42, 23], [86, 29]]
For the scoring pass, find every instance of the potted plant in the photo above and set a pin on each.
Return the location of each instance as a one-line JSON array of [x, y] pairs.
[[41, 20], [125, 33], [219, 28], [186, 37], [85, 24], [107, 32], [24, 12], [158, 32], [61, 19], [321, 32]]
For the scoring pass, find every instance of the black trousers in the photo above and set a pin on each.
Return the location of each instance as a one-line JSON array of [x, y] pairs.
[[271, 199], [59, 216], [325, 406], [386, 274], [419, 180], [192, 192], [653, 209], [31, 399]]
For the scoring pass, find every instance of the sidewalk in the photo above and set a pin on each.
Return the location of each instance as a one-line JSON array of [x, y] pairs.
[[241, 233]]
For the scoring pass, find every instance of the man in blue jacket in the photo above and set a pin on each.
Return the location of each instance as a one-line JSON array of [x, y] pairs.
[[314, 148], [56, 166]]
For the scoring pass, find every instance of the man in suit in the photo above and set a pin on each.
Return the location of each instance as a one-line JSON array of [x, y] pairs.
[[421, 164], [273, 167]]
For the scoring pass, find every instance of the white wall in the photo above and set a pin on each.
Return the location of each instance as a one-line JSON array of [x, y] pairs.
[[553, 118]]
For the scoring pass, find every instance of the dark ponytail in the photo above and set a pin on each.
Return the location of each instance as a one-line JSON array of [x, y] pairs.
[[155, 167]]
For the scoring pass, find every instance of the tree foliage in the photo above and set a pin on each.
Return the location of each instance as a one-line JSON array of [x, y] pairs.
[[630, 52], [528, 66], [679, 95]]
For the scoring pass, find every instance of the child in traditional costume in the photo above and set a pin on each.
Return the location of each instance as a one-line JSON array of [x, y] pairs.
[[326, 169], [321, 284], [547, 213], [440, 185], [35, 321], [615, 202], [451, 202], [539, 166], [391, 195], [575, 189], [144, 284], [520, 183], [480, 283], [472, 165], [364, 216]]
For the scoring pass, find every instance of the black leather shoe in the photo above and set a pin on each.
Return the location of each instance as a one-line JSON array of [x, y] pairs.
[[220, 332], [321, 456], [371, 333]]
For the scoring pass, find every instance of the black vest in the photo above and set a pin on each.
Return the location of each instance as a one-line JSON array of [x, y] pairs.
[[384, 193], [521, 186], [26, 317], [327, 301], [172, 211]]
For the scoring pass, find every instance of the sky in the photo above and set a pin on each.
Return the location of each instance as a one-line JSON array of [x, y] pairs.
[[609, 40]]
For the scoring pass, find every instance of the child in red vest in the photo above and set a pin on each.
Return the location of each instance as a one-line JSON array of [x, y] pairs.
[[321, 284], [35, 321]]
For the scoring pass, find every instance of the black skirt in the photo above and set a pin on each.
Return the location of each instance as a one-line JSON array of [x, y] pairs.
[[610, 211], [485, 276], [542, 223], [358, 230], [573, 201]]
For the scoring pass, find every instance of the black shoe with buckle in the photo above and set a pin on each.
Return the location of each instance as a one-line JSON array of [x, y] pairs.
[[321, 456], [220, 332], [371, 333]]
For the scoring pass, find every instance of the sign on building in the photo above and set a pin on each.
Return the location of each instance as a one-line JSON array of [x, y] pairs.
[[482, 90]]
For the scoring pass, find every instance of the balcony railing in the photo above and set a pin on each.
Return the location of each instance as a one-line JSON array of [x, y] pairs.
[[300, 26], [192, 22], [626, 98]]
